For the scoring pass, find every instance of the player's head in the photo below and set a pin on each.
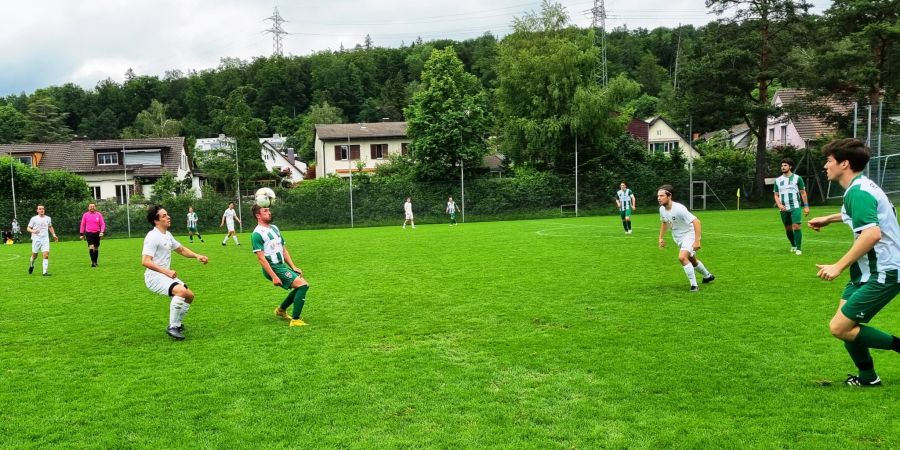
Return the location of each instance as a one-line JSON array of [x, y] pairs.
[[92, 207], [158, 216], [623, 185], [263, 215], [851, 151], [787, 165], [230, 205], [449, 199], [40, 210], [409, 199], [190, 209], [664, 194]]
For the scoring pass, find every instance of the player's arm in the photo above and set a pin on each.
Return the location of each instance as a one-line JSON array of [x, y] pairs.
[[662, 233], [862, 245], [188, 253], [222, 223], [102, 225], [53, 232], [261, 256], [81, 228], [238, 218], [778, 201], [633, 204], [819, 222], [147, 261], [696, 224], [805, 202], [290, 261]]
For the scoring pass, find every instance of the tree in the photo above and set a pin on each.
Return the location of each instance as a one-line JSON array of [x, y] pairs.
[[152, 122], [759, 54], [11, 124], [447, 118], [103, 126], [303, 139], [44, 122], [233, 117]]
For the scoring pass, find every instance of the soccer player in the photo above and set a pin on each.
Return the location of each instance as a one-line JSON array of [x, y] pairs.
[[686, 234], [789, 189], [92, 228], [451, 209], [625, 203], [873, 259], [16, 231], [192, 225], [407, 210], [159, 278], [228, 219], [277, 265], [39, 226]]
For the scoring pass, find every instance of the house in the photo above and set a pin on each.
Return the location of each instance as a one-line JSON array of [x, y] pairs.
[[662, 138], [799, 130], [277, 157], [339, 147], [112, 169], [220, 143], [738, 135]]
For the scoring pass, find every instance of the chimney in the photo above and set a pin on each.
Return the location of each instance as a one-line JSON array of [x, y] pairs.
[[291, 157]]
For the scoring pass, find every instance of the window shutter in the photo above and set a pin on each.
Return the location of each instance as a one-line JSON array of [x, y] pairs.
[[372, 151], [354, 152], [404, 148], [337, 152]]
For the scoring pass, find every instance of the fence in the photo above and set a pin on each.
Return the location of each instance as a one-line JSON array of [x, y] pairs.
[[879, 127]]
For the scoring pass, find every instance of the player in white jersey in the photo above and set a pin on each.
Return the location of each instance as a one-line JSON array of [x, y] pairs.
[[41, 227], [192, 220], [451, 209], [159, 277], [686, 233], [790, 194], [873, 259], [228, 218], [408, 213], [625, 203]]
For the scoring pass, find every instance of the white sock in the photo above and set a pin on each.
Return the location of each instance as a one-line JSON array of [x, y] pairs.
[[175, 307], [235, 239], [184, 310], [225, 240], [702, 269], [46, 265], [689, 271]]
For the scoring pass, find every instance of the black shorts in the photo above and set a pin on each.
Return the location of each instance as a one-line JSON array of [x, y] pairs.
[[92, 239]]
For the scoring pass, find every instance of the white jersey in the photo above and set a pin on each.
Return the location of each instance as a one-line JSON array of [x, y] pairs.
[[41, 226], [679, 220], [624, 199], [159, 246], [192, 220], [229, 216], [15, 228], [407, 208], [451, 207]]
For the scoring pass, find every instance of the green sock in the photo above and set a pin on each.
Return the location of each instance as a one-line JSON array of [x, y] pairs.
[[874, 338], [287, 301], [790, 236], [798, 237], [299, 300], [863, 359]]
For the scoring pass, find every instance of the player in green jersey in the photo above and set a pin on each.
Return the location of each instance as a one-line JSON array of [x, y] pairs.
[[625, 203], [873, 260], [277, 265], [789, 190]]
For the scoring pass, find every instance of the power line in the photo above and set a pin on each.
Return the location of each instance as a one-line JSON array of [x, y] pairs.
[[277, 32], [599, 16]]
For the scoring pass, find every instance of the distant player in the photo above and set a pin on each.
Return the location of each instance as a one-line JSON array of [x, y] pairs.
[[192, 225], [451, 209], [228, 219], [407, 210], [686, 233], [789, 190], [41, 227], [92, 228], [16, 231], [277, 265], [873, 260], [625, 203], [159, 278]]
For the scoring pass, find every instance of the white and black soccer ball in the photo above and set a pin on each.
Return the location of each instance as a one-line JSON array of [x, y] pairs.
[[265, 197]]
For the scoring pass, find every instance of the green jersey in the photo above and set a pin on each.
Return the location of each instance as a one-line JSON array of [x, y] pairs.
[[788, 190], [866, 206], [624, 198], [269, 241]]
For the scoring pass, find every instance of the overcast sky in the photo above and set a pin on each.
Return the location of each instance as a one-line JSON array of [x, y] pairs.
[[52, 42]]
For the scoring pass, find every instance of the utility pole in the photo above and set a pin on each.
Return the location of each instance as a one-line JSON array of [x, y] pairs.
[[277, 32], [598, 17], [677, 53]]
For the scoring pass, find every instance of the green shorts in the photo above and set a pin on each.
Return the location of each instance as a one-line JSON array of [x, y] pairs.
[[453, 216], [284, 273], [623, 213], [791, 217], [866, 299], [192, 230]]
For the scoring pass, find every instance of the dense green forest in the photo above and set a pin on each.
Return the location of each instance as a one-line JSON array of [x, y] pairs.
[[535, 91]]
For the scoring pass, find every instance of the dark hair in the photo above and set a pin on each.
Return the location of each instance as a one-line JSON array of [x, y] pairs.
[[153, 214], [622, 182], [255, 209], [230, 203], [851, 150], [788, 161], [666, 187]]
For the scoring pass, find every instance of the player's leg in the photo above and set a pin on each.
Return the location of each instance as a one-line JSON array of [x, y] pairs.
[[622, 216], [191, 235], [848, 324], [796, 221], [708, 277], [46, 261], [788, 229], [227, 235], [35, 249], [684, 258], [628, 221], [182, 297], [300, 287]]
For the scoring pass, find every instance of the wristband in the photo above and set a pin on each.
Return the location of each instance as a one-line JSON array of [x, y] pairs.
[[806, 205]]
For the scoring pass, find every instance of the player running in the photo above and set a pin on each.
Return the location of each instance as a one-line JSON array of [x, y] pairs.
[[228, 219], [39, 226], [686, 234]]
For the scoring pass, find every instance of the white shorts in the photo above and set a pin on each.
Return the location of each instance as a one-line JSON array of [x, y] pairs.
[[160, 283], [409, 216], [687, 244], [229, 225], [40, 245]]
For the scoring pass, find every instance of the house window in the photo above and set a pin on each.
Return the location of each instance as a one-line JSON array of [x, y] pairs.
[[27, 160], [379, 151], [404, 148], [107, 159], [121, 194], [95, 192], [771, 134], [340, 152], [664, 147], [784, 135]]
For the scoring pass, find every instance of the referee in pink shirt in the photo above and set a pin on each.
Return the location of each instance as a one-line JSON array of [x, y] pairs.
[[92, 229]]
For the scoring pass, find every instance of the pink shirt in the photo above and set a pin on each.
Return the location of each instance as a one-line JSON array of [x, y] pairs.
[[92, 222]]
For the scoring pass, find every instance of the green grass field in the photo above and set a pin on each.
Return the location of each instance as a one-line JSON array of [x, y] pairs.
[[528, 334]]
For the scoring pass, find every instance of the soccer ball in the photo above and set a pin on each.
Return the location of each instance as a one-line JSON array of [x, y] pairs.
[[265, 197]]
